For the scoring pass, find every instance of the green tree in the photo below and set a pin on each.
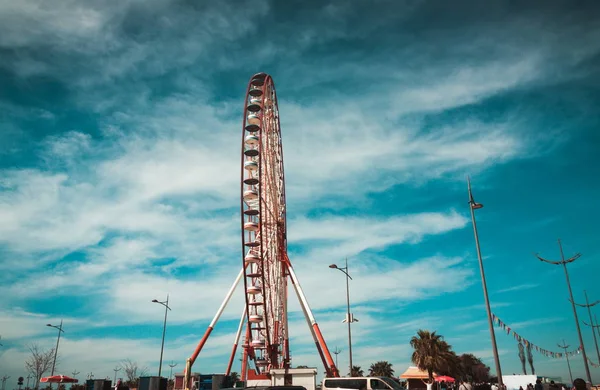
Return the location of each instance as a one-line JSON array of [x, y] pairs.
[[357, 371], [235, 377], [452, 366], [431, 352], [474, 369], [381, 368]]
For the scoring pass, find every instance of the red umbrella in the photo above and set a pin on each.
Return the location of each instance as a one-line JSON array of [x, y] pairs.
[[58, 379], [444, 378]]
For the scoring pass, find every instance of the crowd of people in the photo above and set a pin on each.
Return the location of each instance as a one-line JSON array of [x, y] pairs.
[[578, 384]]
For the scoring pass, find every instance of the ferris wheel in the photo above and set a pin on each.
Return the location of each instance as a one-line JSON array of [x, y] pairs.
[[264, 225], [265, 266]]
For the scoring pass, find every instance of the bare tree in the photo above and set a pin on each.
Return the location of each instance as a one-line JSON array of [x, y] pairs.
[[132, 371], [39, 362]]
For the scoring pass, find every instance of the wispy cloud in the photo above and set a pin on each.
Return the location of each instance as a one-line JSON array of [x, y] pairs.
[[120, 179], [535, 322], [471, 324], [525, 286]]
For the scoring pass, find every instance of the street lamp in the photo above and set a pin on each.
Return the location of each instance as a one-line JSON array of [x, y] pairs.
[[589, 306], [166, 305], [474, 206], [564, 263], [60, 330], [4, 378], [116, 369], [565, 347], [171, 365], [336, 352], [349, 317]]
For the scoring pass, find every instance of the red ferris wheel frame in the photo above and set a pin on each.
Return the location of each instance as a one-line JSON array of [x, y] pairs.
[[266, 265]]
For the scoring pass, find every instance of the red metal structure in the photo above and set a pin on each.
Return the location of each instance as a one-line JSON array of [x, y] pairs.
[[266, 268]]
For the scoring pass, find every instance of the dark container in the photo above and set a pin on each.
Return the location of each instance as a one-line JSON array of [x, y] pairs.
[[97, 384], [152, 383]]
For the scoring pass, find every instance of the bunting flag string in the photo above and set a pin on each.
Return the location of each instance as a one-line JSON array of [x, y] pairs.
[[593, 364], [557, 355]]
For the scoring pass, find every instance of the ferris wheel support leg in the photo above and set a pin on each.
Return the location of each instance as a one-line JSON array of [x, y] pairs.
[[319, 340], [192, 359], [286, 336], [312, 332], [244, 376], [236, 342]]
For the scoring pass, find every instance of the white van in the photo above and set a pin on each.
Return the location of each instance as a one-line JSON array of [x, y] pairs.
[[361, 383]]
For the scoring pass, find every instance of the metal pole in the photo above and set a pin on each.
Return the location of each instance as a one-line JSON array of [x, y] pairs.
[[163, 337], [564, 264], [28, 377], [589, 307], [56, 350], [336, 352], [116, 369], [60, 330], [485, 292], [565, 346], [597, 326], [349, 317], [171, 373]]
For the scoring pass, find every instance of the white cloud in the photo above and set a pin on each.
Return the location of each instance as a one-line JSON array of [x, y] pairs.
[[110, 37], [471, 324], [525, 286], [158, 191], [459, 85], [536, 322]]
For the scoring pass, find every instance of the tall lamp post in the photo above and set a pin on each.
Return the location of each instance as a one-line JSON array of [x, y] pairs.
[[4, 378], [589, 306], [349, 317], [474, 206], [162, 347], [60, 330], [594, 325], [171, 373], [565, 346], [336, 352], [564, 263], [116, 369]]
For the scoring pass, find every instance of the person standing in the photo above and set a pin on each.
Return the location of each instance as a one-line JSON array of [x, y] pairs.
[[579, 384], [538, 385]]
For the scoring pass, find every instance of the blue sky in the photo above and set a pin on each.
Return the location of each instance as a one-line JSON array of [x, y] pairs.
[[119, 157]]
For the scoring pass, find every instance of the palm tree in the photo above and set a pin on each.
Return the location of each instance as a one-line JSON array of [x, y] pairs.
[[431, 351], [235, 377], [357, 371], [381, 368]]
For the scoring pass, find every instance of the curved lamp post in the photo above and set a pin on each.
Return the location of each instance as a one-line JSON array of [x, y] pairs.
[[349, 318], [162, 346], [564, 263], [60, 330], [474, 206]]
